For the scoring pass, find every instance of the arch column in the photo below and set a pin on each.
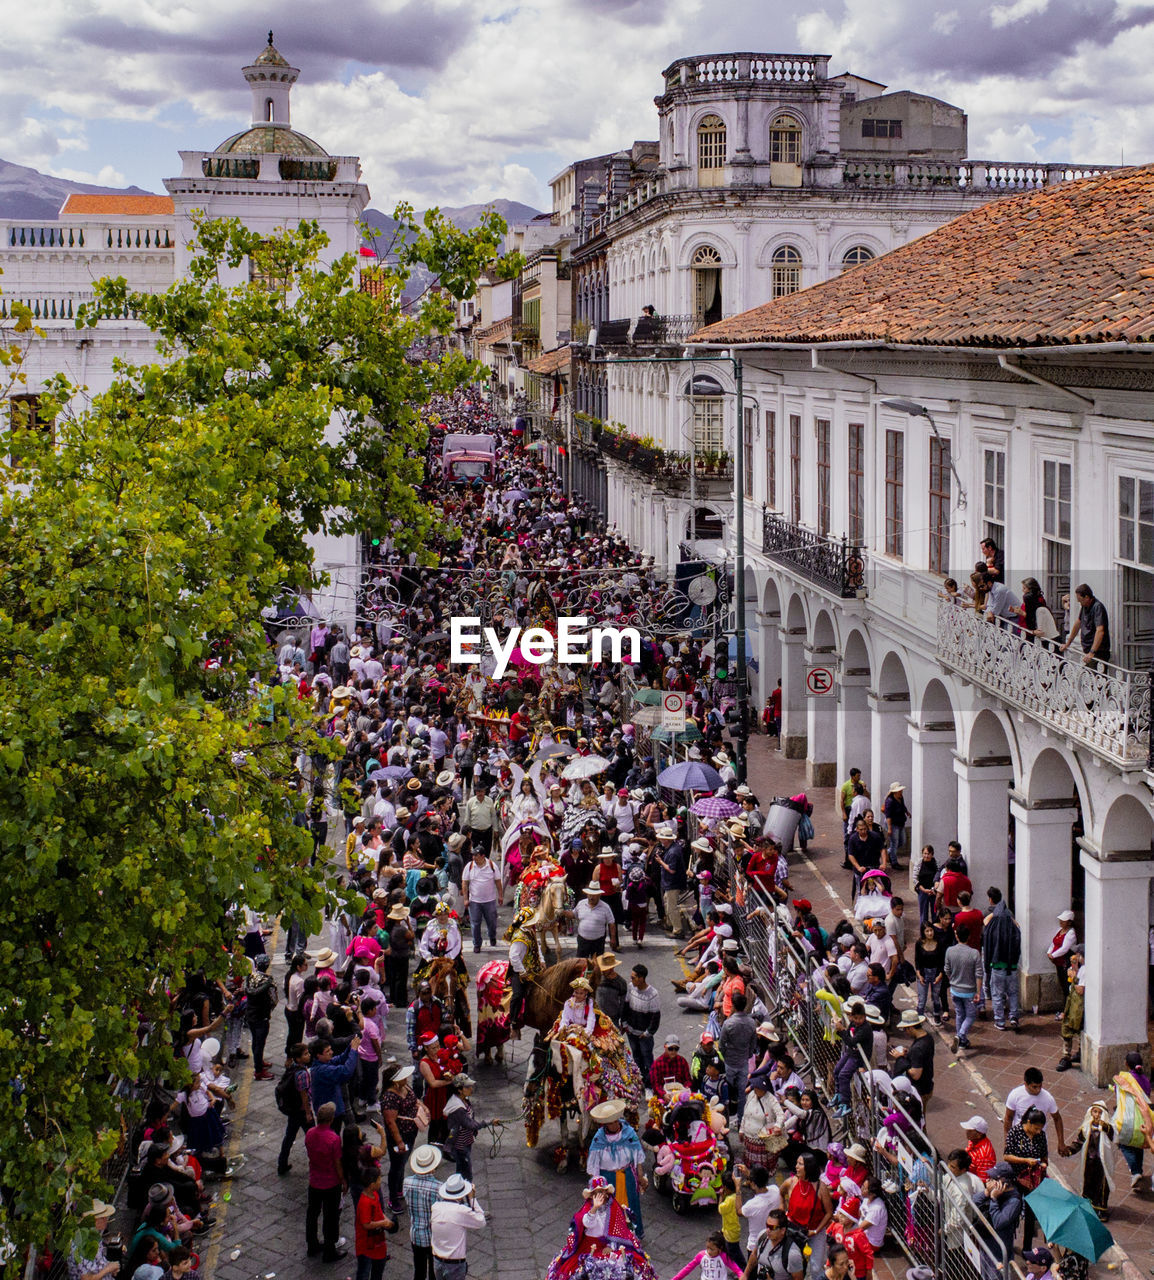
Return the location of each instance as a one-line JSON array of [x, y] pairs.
[[933, 789], [821, 728], [853, 727], [768, 656], [1117, 922], [1041, 889], [890, 746], [984, 823], [794, 726]]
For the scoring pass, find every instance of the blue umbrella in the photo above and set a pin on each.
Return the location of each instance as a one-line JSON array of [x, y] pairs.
[[395, 771], [1069, 1219], [690, 775]]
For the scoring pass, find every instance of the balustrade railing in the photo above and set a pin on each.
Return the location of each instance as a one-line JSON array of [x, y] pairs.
[[879, 172], [725, 68], [835, 564], [1101, 706], [14, 235]]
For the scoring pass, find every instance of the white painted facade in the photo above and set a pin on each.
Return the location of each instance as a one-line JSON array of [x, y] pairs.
[[1040, 775], [53, 266], [727, 224]]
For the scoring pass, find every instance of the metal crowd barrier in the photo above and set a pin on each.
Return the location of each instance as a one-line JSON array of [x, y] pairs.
[[930, 1216]]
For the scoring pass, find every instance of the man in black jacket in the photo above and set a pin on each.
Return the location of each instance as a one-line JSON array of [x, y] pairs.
[[866, 851], [1002, 953]]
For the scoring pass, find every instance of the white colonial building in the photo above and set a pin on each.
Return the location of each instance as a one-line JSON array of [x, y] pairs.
[[269, 176], [993, 380], [771, 175]]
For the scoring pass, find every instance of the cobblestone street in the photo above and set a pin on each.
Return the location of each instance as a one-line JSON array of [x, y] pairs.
[[528, 1202]]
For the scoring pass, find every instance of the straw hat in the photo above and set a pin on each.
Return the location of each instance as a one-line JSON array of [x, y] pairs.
[[857, 1152], [413, 784], [701, 845], [895, 788], [403, 812], [399, 912], [608, 1112], [456, 841], [325, 957], [607, 962], [911, 1018], [445, 778], [100, 1210], [425, 1159], [456, 1188]]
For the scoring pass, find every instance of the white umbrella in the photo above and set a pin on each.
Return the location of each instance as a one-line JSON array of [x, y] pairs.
[[581, 767]]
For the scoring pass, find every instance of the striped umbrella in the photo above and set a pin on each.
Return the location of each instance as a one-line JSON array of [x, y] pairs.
[[715, 807]]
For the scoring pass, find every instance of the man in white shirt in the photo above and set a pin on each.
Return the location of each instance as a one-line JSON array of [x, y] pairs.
[[594, 922], [857, 975], [763, 1199], [1031, 1094], [482, 892], [372, 669], [454, 1214], [881, 948]]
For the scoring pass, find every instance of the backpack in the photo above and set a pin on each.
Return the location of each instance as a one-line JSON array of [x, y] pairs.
[[794, 1237], [286, 1094]]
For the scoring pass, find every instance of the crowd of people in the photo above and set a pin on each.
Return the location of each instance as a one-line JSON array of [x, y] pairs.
[[460, 792], [1030, 614]]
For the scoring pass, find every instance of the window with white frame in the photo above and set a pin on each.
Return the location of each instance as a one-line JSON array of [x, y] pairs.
[[707, 398], [821, 439], [994, 495], [771, 458], [786, 271], [857, 483], [795, 466], [895, 492], [750, 415], [1136, 554], [1057, 515], [939, 505], [710, 151], [707, 284], [785, 140], [856, 256]]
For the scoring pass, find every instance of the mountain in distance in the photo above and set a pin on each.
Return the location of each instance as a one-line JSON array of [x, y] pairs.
[[26, 195], [467, 217]]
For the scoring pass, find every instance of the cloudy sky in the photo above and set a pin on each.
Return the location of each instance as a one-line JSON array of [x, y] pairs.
[[457, 101]]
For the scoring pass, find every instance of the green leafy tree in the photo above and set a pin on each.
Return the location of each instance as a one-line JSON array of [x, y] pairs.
[[147, 776]]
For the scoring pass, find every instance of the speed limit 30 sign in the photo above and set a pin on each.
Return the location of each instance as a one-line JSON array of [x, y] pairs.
[[673, 711]]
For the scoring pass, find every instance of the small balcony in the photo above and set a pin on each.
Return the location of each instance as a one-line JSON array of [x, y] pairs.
[[648, 331], [1102, 707], [834, 564]]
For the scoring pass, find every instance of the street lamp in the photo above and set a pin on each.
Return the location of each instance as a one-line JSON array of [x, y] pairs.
[[916, 410]]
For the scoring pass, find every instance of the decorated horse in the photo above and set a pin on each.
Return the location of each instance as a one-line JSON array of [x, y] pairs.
[[450, 982], [581, 1061], [543, 887]]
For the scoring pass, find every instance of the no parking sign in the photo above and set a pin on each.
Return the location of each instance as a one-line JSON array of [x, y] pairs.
[[819, 682]]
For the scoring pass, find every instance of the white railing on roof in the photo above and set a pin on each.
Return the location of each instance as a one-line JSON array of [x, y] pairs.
[[92, 237]]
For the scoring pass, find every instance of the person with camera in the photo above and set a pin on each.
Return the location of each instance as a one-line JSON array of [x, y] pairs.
[[453, 1216], [775, 1255]]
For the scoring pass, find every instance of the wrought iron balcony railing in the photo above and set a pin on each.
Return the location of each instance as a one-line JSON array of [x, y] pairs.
[[1103, 707], [836, 565]]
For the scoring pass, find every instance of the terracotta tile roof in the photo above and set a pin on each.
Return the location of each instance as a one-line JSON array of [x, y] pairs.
[[1073, 263], [500, 331], [114, 206], [550, 362]]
